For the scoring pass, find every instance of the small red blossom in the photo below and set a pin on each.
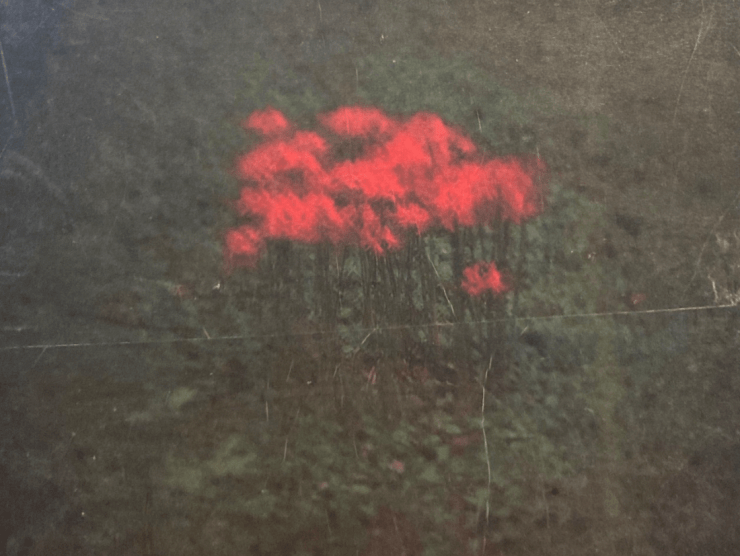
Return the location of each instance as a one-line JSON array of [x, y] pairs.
[[357, 121], [243, 246], [268, 122], [483, 277], [412, 216]]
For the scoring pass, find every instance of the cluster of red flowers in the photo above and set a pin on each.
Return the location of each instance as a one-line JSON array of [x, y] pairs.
[[411, 175]]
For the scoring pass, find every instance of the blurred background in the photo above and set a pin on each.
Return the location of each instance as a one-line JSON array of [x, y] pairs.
[[335, 400]]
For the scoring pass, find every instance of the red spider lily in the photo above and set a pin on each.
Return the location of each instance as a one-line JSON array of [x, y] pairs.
[[374, 234], [483, 277], [371, 179], [357, 121], [276, 164], [411, 215], [243, 246], [268, 122], [411, 176], [518, 196]]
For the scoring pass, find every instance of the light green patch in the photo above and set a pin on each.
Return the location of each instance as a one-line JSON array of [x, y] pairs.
[[179, 397], [182, 476], [231, 458]]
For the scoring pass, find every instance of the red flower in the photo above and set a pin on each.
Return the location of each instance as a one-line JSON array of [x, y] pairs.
[[516, 187], [375, 234], [482, 277], [412, 215], [463, 192], [243, 246], [357, 121], [371, 178], [289, 163], [411, 175], [269, 122], [336, 225]]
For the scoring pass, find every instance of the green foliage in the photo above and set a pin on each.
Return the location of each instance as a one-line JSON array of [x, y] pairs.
[[566, 271], [457, 90], [316, 477], [293, 94], [289, 92], [554, 358]]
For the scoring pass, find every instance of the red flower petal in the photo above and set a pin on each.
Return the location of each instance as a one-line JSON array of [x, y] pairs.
[[482, 277], [358, 121], [268, 122], [413, 174]]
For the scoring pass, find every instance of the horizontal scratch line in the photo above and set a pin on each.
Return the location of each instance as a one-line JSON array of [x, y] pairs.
[[123, 343]]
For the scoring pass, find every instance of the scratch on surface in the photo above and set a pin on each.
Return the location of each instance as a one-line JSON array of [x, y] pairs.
[[7, 84], [703, 30]]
